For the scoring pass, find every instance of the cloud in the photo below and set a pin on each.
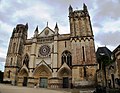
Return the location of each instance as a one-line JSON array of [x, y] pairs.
[[5, 33], [107, 9], [110, 38], [2, 59]]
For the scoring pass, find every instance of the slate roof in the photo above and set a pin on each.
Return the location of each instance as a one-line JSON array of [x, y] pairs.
[[116, 49], [103, 51]]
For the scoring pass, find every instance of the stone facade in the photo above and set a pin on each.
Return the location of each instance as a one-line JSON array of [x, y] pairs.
[[113, 70], [109, 76], [53, 60], [103, 55]]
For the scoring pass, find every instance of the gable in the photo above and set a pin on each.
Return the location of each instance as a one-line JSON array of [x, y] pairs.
[[46, 32]]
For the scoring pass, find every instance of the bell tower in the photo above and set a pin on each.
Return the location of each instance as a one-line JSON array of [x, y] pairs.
[[82, 46], [80, 24], [15, 51]]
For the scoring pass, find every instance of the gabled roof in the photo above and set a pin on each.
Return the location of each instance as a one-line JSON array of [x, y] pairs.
[[46, 32], [116, 49]]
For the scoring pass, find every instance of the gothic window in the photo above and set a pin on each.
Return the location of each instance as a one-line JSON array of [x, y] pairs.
[[14, 47], [67, 58], [26, 60], [44, 50]]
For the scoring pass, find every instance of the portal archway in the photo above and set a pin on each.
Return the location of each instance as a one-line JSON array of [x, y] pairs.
[[42, 73], [23, 77], [65, 75]]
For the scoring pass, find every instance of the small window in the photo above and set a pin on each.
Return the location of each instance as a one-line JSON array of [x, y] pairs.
[[83, 53]]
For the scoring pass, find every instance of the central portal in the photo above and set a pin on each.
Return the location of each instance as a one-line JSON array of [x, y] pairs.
[[65, 82], [43, 82]]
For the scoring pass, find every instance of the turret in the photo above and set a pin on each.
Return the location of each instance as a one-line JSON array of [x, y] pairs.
[[56, 29], [85, 8], [26, 26], [80, 24], [36, 32], [20, 31], [70, 9]]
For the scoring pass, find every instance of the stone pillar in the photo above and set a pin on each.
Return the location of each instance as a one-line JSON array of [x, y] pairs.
[[55, 56], [32, 63], [33, 54]]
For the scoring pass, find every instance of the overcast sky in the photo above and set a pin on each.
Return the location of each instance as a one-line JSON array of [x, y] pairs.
[[105, 18]]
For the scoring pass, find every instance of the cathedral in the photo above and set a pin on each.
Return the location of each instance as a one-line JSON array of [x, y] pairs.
[[53, 60]]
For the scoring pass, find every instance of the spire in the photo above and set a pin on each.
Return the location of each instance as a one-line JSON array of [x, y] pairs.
[[85, 7], [70, 9], [56, 28], [36, 32], [26, 26], [47, 23], [14, 30]]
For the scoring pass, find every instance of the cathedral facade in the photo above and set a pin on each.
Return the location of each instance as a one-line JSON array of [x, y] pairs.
[[53, 60]]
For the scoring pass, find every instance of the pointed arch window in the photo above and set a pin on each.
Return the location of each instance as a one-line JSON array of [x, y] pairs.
[[14, 47], [26, 60], [67, 58], [11, 61]]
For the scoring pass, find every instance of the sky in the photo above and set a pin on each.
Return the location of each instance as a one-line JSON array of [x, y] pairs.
[[105, 19]]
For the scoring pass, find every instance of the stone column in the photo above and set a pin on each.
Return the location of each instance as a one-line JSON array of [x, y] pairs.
[[55, 56], [32, 63]]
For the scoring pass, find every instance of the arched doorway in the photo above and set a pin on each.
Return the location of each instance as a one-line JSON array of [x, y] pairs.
[[42, 73], [23, 77], [65, 75]]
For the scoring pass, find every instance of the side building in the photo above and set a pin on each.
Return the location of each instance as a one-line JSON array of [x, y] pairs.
[[103, 55], [108, 74], [113, 70], [53, 60]]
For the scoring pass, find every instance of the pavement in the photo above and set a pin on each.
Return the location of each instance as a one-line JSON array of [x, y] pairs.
[[4, 88], [15, 89]]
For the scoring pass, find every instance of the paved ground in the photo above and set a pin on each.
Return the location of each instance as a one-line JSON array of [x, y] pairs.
[[15, 89]]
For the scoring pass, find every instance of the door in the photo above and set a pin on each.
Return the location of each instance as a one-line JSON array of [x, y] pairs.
[[25, 81], [65, 82], [43, 82]]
